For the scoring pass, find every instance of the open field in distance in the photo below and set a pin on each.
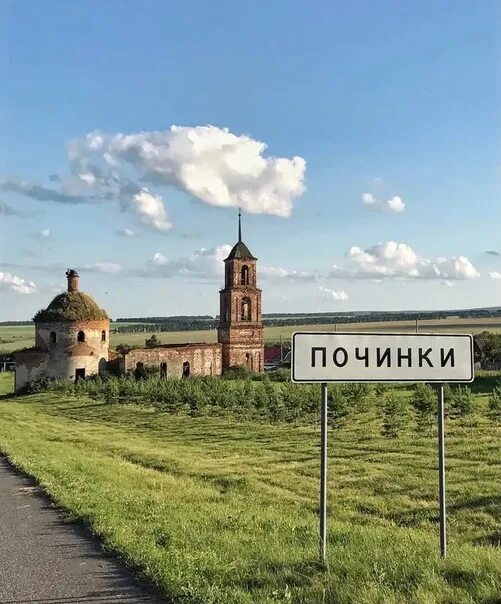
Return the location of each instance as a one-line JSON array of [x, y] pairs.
[[13, 338]]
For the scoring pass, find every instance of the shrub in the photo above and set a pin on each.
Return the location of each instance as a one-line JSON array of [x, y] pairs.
[[41, 384], [338, 406], [462, 401], [278, 375], [380, 389], [152, 342], [394, 415], [236, 372], [358, 395], [495, 403], [424, 403]]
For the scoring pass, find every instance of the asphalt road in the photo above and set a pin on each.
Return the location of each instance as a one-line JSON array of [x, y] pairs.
[[44, 560]]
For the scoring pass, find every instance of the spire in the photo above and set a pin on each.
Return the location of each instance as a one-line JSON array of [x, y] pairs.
[[239, 225]]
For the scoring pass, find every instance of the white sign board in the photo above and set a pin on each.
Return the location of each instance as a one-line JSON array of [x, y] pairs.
[[381, 357]]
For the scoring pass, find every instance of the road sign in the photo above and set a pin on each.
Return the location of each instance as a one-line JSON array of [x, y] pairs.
[[381, 357]]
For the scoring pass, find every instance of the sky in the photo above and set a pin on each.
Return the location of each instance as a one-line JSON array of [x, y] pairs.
[[361, 140]]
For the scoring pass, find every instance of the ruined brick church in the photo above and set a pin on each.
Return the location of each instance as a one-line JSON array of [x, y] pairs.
[[72, 333]]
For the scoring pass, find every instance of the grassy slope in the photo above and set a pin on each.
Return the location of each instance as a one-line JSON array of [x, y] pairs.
[[23, 336], [218, 510]]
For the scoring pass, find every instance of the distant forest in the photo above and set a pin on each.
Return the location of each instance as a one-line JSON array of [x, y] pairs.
[[205, 322]]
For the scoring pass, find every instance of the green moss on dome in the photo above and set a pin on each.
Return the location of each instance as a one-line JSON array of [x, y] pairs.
[[71, 306]]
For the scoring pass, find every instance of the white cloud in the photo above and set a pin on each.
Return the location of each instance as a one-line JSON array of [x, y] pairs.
[[368, 199], [331, 294], [151, 210], [126, 233], [209, 163], [16, 284], [44, 235], [495, 275], [394, 205], [204, 263], [212, 164], [103, 267], [159, 259], [399, 261], [277, 272]]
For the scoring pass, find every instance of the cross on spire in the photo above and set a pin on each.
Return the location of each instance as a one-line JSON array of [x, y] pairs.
[[239, 225]]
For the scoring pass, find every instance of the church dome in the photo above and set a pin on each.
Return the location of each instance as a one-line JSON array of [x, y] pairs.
[[72, 305]]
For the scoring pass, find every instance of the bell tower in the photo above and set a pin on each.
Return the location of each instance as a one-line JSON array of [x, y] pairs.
[[240, 328]]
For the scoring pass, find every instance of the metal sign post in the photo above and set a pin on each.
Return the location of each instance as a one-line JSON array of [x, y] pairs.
[[441, 471], [322, 357], [323, 474]]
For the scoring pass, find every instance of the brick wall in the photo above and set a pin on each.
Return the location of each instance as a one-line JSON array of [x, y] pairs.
[[203, 359]]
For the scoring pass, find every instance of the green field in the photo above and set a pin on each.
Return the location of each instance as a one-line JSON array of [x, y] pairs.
[[224, 510], [13, 338]]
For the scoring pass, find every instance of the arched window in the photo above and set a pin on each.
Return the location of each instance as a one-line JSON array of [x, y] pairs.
[[245, 309], [163, 370], [103, 336], [81, 336], [186, 369], [248, 360], [53, 337], [244, 275], [103, 367]]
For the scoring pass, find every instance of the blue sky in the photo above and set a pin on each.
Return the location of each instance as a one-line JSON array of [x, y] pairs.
[[387, 99]]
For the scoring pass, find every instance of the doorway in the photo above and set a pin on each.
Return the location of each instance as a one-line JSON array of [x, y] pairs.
[[79, 374]]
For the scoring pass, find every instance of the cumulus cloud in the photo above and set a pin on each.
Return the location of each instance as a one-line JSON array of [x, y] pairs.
[[17, 284], [392, 260], [159, 259], [495, 275], [103, 267], [151, 210], [331, 294], [126, 233], [395, 205], [210, 163], [277, 272], [205, 263], [368, 199]]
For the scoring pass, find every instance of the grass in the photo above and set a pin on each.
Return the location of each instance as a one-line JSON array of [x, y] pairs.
[[220, 510], [15, 337], [6, 382]]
